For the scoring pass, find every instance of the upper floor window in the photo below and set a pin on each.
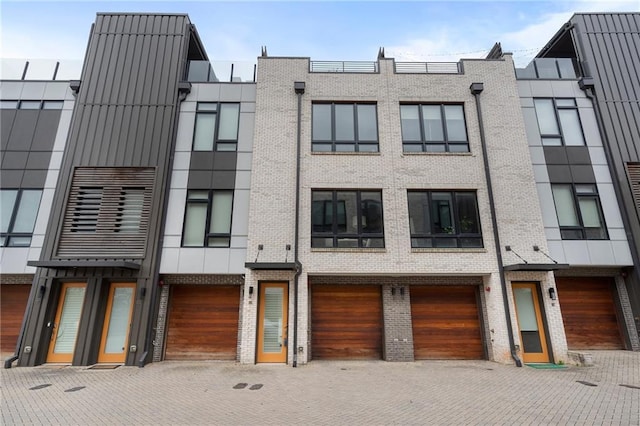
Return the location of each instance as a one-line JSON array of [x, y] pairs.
[[433, 128], [216, 127], [346, 219], [19, 212], [7, 104], [207, 221], [558, 122], [444, 219], [579, 212], [344, 127]]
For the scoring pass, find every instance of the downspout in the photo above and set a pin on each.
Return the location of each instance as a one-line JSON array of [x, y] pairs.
[[298, 87], [476, 89]]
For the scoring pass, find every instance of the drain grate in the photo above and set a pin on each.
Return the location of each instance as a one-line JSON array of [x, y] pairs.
[[240, 386], [104, 367], [256, 387], [630, 386], [77, 388], [582, 382], [45, 385]]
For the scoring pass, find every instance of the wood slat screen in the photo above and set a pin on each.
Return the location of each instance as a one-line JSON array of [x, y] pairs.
[[633, 169], [107, 213]]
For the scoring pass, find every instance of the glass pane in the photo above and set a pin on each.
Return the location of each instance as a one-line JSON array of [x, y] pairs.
[[471, 242], [526, 311], [419, 222], [344, 122], [52, 104], [547, 68], [371, 208], [546, 117], [348, 242], [198, 195], [454, 116], [218, 242], [458, 147], [571, 129], [567, 70], [205, 128], [590, 212], [27, 211], [373, 242], [7, 201], [442, 213], [132, 201], [204, 106], [225, 146], [69, 320], [432, 122], [432, 147], [321, 122], [8, 104], [410, 123], [445, 242], [552, 141], [272, 333], [221, 208], [19, 241], [322, 212], [571, 234], [194, 225], [367, 123], [321, 147], [347, 212], [30, 105], [565, 207], [345, 147], [565, 102], [467, 213], [421, 243], [119, 320], [367, 147], [412, 147], [585, 189], [229, 117], [321, 242]]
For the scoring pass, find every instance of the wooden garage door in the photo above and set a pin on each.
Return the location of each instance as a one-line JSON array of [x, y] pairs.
[[446, 323], [589, 313], [203, 322], [346, 322], [13, 302]]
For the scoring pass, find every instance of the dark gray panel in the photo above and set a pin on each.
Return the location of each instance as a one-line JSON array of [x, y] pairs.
[[223, 180], [201, 161], [555, 155], [225, 161], [578, 155], [582, 174], [559, 174], [23, 129], [12, 160], [45, 134], [6, 124], [39, 160], [200, 179], [11, 178], [34, 178]]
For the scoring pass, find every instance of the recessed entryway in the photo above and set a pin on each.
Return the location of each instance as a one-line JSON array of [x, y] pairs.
[[65, 325], [532, 334], [117, 323], [272, 322]]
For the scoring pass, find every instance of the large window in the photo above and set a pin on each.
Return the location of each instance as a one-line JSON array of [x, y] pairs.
[[347, 219], [344, 127], [19, 212], [579, 212], [433, 128], [558, 122], [216, 127], [207, 221], [444, 219]]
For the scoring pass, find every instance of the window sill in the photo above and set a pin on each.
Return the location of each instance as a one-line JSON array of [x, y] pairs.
[[457, 154], [449, 250], [349, 250], [344, 153]]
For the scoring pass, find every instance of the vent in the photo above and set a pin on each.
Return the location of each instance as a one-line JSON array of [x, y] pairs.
[[633, 169]]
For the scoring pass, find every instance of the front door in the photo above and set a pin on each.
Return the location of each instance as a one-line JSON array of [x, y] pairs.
[[65, 325], [532, 335], [117, 323], [272, 322]]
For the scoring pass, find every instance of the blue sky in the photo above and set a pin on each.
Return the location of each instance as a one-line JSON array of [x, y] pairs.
[[323, 30]]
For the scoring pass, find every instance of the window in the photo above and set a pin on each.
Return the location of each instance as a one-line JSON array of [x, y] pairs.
[[558, 122], [347, 219], [19, 212], [7, 104], [579, 212], [216, 127], [433, 128], [338, 127], [207, 221], [444, 219]]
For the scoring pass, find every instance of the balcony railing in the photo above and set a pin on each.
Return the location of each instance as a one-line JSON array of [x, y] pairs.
[[344, 66], [428, 68], [549, 69]]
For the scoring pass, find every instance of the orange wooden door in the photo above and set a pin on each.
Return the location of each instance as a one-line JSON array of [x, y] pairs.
[[533, 339], [65, 325], [117, 323], [272, 322]]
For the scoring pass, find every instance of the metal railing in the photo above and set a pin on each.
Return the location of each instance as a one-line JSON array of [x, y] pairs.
[[428, 68], [344, 66]]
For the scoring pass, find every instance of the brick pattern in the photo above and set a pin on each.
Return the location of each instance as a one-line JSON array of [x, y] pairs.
[[627, 314], [8, 279], [398, 332]]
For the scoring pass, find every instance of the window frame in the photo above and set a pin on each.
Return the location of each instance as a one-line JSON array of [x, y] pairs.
[[207, 235], [556, 108], [217, 142], [363, 239], [356, 142], [436, 237], [576, 197], [6, 237], [423, 142]]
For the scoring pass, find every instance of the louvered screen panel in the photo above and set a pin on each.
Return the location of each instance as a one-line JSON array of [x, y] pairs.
[[634, 177], [108, 213]]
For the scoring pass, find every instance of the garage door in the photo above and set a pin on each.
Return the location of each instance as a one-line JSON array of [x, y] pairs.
[[589, 313], [13, 302], [346, 322], [203, 322], [446, 323]]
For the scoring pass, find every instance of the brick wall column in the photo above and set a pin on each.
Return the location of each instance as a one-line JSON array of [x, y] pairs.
[[398, 335]]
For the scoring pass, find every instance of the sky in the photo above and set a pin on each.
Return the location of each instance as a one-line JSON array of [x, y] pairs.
[[411, 31]]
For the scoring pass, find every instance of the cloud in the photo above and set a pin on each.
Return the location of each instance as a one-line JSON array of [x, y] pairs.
[[441, 47]]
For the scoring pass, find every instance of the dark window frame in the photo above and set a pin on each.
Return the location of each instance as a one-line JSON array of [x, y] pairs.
[[560, 135], [207, 235], [445, 239], [363, 238], [581, 232], [357, 143], [6, 237], [423, 142], [217, 142], [45, 104]]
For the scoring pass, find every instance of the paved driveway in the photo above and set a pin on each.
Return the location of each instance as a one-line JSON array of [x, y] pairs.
[[323, 393]]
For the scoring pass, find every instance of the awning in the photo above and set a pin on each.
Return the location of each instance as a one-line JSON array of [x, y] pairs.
[[65, 264], [536, 267], [271, 266]]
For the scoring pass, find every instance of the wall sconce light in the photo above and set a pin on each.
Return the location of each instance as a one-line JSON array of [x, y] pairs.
[[393, 291], [552, 293], [402, 291], [250, 291], [43, 289], [143, 292]]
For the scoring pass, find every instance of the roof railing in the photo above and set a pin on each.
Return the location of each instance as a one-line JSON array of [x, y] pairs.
[[428, 68], [344, 66]]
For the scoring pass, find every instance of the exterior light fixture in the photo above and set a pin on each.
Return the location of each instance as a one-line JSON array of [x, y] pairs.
[[552, 293]]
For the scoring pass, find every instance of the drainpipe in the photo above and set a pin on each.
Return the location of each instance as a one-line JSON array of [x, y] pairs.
[[476, 89], [298, 87]]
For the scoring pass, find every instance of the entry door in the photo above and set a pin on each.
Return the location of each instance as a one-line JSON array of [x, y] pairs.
[[272, 322], [532, 335], [65, 325], [117, 323]]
